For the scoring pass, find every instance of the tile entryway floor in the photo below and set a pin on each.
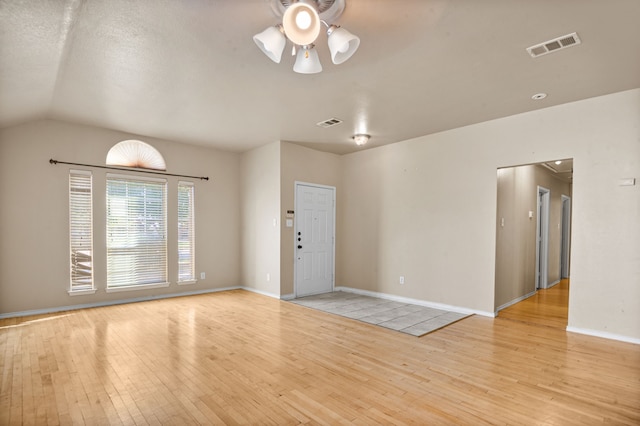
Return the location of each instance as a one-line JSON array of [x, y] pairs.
[[411, 319]]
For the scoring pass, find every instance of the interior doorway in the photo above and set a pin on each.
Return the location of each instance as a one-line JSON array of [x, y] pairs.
[[533, 230]]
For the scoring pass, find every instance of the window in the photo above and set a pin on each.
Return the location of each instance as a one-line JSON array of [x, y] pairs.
[[136, 232], [186, 234], [80, 232]]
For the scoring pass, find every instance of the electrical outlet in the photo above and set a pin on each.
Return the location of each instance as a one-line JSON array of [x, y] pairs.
[[202, 275], [268, 276], [401, 279]]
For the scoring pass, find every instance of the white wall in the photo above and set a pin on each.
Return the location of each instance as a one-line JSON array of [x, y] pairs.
[[34, 225], [426, 209]]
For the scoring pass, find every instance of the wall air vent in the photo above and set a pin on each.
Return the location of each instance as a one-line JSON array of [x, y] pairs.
[[554, 45], [329, 123]]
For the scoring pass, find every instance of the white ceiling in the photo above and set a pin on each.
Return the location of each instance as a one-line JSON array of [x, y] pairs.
[[189, 71]]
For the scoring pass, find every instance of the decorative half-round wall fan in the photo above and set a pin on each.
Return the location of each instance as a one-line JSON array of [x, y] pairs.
[[134, 153]]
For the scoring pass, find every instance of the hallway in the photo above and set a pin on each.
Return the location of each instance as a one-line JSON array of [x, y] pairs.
[[548, 307]]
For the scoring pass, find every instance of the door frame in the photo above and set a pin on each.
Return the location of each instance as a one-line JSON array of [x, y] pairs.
[[542, 237], [565, 242], [296, 184]]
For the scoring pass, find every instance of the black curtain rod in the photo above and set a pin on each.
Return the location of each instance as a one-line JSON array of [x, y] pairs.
[[52, 161]]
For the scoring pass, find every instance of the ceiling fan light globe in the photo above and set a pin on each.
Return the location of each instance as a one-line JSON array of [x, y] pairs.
[[342, 44], [307, 61], [301, 23], [271, 41]]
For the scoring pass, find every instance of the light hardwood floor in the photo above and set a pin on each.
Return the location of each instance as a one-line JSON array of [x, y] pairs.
[[549, 307], [241, 358]]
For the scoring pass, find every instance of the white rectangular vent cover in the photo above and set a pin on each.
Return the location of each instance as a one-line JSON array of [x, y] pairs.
[[329, 123], [556, 44]]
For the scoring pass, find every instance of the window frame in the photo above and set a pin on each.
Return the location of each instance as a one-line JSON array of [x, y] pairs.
[[114, 281], [79, 225], [191, 240]]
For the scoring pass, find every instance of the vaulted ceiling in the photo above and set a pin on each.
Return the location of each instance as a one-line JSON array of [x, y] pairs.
[[189, 71]]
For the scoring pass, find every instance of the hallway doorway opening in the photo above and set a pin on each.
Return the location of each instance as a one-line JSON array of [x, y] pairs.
[[533, 222]]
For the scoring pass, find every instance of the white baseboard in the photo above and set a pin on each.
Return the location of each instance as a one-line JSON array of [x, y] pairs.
[[514, 301], [111, 302], [290, 296], [264, 293], [552, 284], [419, 302], [603, 334]]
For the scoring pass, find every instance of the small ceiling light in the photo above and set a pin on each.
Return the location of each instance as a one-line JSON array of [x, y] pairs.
[[361, 139], [558, 162], [301, 24], [539, 96]]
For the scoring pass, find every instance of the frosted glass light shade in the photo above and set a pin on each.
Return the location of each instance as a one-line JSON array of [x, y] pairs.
[[361, 139], [304, 29], [307, 61], [134, 153], [271, 41], [342, 44]]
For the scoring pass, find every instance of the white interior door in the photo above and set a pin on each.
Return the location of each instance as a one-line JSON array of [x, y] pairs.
[[314, 239], [542, 246]]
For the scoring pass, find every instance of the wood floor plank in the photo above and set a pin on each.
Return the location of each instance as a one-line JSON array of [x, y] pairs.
[[241, 358]]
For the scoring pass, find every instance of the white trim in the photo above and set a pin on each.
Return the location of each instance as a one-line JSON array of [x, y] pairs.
[[135, 287], [565, 236], [187, 282], [117, 176], [82, 292], [264, 293], [316, 185], [603, 334], [514, 301], [419, 302], [553, 283], [289, 296], [81, 172], [112, 302]]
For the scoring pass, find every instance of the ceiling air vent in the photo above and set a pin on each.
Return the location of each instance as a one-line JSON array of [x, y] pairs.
[[558, 43], [329, 123]]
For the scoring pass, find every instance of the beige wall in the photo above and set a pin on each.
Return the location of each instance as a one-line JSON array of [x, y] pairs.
[[261, 219], [303, 165], [34, 248], [426, 209], [418, 209], [269, 174], [516, 240]]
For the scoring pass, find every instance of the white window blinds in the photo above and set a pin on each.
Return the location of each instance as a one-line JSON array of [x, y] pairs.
[[80, 230], [136, 231], [186, 232]]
